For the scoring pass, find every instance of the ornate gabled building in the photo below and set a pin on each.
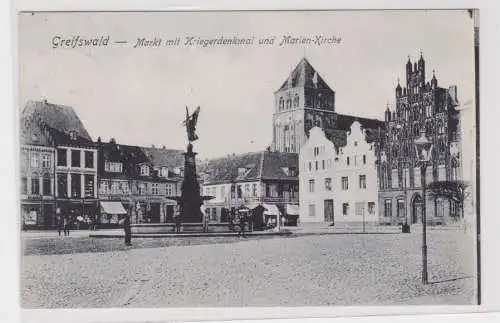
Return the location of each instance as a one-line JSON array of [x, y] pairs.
[[68, 153], [420, 106]]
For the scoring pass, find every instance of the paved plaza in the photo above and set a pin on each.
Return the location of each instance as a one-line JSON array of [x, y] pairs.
[[300, 270]]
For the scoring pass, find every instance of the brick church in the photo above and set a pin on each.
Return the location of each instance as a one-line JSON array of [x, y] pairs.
[[420, 106]]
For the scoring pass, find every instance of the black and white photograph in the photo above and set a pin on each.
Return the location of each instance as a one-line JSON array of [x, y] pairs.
[[188, 159]]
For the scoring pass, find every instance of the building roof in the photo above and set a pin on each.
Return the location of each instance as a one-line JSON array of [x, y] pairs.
[[371, 127], [63, 119], [266, 165], [304, 75], [163, 157]]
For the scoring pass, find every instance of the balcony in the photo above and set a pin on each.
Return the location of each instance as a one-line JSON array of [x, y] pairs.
[[265, 199]]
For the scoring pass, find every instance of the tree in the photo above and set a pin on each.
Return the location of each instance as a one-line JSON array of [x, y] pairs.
[[451, 190]]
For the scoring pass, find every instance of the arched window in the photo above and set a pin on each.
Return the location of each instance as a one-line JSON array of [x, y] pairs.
[[296, 101], [281, 104], [288, 104]]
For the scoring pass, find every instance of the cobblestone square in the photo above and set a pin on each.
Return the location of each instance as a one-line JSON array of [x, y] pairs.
[[301, 270]]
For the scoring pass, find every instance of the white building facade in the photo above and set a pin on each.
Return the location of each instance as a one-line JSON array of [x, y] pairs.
[[338, 184]]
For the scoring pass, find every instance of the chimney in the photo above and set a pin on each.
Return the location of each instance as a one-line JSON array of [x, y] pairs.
[[152, 146], [163, 147]]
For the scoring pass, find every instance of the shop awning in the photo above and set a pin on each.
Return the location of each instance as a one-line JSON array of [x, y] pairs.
[[253, 205], [292, 209], [271, 209], [113, 208]]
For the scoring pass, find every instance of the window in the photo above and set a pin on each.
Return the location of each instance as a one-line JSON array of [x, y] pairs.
[[281, 104], [345, 208], [316, 151], [317, 165], [155, 189], [124, 188], [62, 185], [61, 157], [247, 189], [254, 190], [89, 159], [24, 186], [75, 158], [364, 159], [345, 183], [164, 172], [238, 190], [310, 166], [144, 170], [371, 207], [142, 189], [328, 184], [362, 181], [311, 185], [213, 215], [323, 163], [348, 161], [387, 208], [46, 161], [89, 185], [241, 171], [76, 186], [169, 189], [34, 161], [35, 186], [312, 210], [360, 208], [296, 101], [113, 167], [46, 186], [355, 144], [401, 208]]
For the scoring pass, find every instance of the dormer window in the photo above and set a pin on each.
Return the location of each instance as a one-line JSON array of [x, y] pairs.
[[286, 171], [292, 171], [241, 171], [144, 170], [164, 172], [113, 167], [73, 135]]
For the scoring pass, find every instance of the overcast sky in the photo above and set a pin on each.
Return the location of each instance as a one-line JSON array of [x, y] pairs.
[[138, 96]]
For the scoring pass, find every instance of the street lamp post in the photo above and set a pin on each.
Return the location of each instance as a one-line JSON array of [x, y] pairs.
[[424, 147]]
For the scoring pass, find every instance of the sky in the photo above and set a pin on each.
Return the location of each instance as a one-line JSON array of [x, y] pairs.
[[138, 95]]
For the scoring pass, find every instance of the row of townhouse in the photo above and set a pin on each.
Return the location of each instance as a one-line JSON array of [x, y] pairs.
[[64, 172], [266, 178]]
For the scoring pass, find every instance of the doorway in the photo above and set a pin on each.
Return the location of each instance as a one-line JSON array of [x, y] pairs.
[[417, 207], [329, 216]]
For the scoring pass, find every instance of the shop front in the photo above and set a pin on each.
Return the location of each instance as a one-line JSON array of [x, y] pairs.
[[112, 212]]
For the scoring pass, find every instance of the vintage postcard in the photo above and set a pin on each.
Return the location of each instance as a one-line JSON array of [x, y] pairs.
[[248, 158]]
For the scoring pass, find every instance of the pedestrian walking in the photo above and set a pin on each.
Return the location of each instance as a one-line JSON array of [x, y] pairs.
[[60, 224], [66, 223], [242, 221], [178, 223], [128, 230]]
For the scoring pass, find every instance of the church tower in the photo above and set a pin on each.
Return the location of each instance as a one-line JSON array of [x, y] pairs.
[[303, 101]]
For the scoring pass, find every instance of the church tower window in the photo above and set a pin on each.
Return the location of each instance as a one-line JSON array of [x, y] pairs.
[[296, 101]]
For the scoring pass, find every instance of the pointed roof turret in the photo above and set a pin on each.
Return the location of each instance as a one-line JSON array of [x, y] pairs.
[[304, 75]]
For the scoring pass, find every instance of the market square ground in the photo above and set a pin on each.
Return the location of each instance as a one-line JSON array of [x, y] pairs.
[[301, 270]]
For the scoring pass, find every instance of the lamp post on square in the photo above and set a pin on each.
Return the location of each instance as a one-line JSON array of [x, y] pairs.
[[423, 148]]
